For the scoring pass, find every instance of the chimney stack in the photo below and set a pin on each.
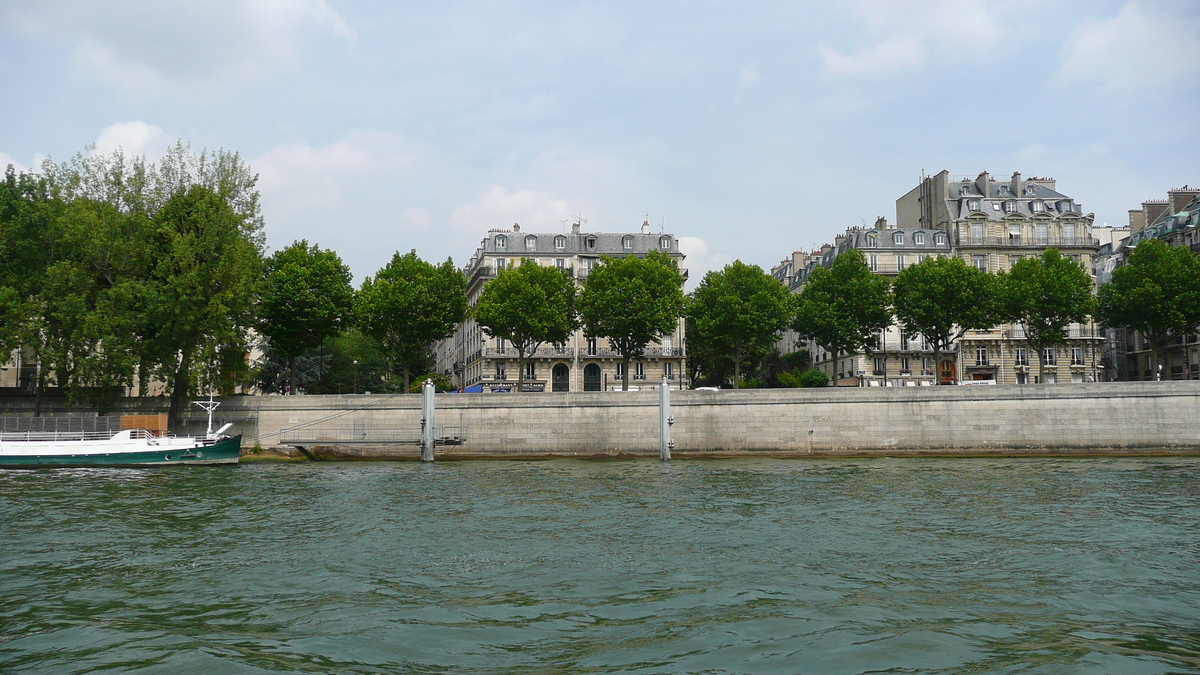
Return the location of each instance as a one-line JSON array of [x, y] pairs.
[[645, 227], [516, 227], [575, 228], [1015, 186]]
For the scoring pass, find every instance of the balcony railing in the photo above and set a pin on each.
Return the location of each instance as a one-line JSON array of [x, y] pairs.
[[648, 352], [511, 353], [969, 241]]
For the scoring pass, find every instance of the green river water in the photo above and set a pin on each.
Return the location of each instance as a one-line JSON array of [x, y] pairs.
[[731, 566]]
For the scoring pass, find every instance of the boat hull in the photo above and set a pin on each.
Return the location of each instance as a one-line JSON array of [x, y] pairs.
[[225, 451]]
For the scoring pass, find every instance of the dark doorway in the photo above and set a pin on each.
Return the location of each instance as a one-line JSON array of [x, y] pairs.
[[561, 378], [591, 377]]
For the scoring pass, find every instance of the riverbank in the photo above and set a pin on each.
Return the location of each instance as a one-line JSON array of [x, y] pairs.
[[1106, 419]]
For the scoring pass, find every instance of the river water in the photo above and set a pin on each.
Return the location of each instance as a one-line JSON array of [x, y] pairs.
[[733, 566]]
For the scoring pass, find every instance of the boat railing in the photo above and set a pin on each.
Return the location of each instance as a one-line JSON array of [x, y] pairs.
[[59, 436]]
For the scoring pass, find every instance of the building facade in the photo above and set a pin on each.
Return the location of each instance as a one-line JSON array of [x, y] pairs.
[[478, 363], [1128, 354]]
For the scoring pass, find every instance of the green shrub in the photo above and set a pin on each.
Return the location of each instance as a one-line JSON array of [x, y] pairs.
[[813, 378]]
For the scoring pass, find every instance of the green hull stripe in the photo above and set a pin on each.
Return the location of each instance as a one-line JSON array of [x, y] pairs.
[[222, 452]]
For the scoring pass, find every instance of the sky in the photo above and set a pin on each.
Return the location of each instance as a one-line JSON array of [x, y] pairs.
[[748, 129]]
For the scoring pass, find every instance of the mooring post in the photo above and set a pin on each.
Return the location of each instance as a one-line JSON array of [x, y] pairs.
[[665, 444], [427, 421]]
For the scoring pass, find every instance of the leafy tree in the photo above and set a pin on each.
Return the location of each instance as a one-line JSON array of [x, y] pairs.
[[1156, 292], [202, 287], [805, 378], [943, 298], [528, 305], [409, 304], [842, 307], [1046, 294], [740, 312], [307, 298], [632, 301]]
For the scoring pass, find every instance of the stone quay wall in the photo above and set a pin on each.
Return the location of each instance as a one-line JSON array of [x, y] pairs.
[[1088, 418]]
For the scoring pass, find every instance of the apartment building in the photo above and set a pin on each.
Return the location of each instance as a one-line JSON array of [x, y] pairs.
[[478, 363]]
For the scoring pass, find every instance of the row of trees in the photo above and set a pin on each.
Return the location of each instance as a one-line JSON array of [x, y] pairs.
[[737, 314]]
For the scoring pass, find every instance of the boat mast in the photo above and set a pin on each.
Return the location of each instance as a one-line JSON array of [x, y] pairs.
[[209, 406]]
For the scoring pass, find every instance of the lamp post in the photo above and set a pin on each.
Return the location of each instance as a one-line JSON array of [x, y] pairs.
[[355, 376]]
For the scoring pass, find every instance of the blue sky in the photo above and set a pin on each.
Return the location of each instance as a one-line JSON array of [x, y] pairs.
[[749, 129]]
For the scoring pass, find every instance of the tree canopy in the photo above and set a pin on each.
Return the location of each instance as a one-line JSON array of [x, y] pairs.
[[738, 313], [307, 297], [1156, 292], [528, 305], [942, 298], [632, 302], [844, 306], [409, 304], [1045, 295]]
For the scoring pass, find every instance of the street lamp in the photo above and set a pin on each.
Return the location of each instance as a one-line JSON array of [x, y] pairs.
[[355, 376]]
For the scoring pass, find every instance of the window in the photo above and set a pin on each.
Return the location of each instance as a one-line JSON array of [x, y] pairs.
[[669, 369], [590, 243], [1077, 356], [500, 345], [1040, 234], [1068, 233], [926, 366], [973, 205], [880, 366], [939, 238], [531, 242], [871, 241], [976, 233], [664, 242], [995, 206], [1038, 207], [627, 243], [922, 257], [980, 262], [904, 365], [1014, 234], [903, 341], [874, 263], [981, 356], [898, 238], [560, 263], [620, 371], [591, 346], [1051, 378], [919, 238], [1021, 358], [639, 370], [530, 370], [900, 262], [1010, 206], [560, 243], [501, 242], [1012, 260], [500, 264], [499, 371], [1048, 357], [1022, 378]]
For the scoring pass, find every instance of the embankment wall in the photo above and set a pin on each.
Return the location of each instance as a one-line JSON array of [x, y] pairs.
[[1090, 418]]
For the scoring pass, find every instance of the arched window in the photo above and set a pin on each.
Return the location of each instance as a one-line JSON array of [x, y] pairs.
[[531, 242], [501, 242]]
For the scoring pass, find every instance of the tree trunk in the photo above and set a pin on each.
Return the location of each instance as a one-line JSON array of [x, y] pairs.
[[407, 375], [292, 375], [737, 371], [41, 384], [179, 388], [625, 373], [520, 371], [1041, 357], [937, 363]]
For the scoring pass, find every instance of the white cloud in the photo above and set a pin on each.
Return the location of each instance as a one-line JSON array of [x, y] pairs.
[[896, 36], [699, 260], [749, 75], [1141, 49], [497, 208], [6, 159], [152, 48], [136, 137]]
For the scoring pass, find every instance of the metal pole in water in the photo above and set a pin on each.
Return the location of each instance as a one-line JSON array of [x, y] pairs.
[[427, 421], [665, 444]]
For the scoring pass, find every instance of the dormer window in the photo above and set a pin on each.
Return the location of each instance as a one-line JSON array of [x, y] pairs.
[[1030, 190], [501, 242], [871, 241], [1038, 207], [627, 242], [664, 242], [939, 238], [1010, 206], [973, 205], [898, 238], [919, 238], [995, 206], [531, 242], [590, 243], [560, 243]]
